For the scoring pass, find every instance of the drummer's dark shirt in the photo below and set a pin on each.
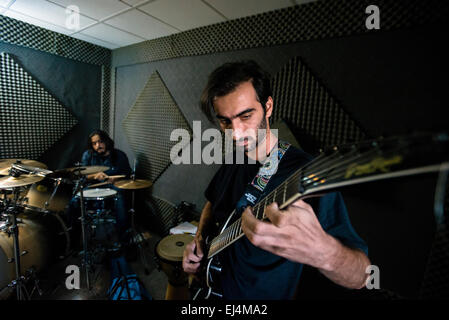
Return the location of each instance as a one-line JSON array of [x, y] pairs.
[[117, 161]]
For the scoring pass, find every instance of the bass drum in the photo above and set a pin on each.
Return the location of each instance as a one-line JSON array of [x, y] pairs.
[[43, 238]]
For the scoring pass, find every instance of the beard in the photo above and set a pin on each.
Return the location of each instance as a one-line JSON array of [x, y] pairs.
[[101, 151], [253, 143]]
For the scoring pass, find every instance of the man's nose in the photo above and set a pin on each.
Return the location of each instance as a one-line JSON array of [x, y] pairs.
[[238, 130]]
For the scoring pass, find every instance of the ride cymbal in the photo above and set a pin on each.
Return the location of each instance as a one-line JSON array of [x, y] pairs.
[[83, 170], [133, 184], [6, 164]]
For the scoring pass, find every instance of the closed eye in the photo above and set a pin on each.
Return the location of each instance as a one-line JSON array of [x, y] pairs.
[[246, 116], [225, 121]]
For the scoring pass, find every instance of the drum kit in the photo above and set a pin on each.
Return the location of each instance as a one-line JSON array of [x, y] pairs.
[[33, 226]]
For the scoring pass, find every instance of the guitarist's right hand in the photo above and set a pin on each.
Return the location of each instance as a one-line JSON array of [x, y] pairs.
[[193, 254]]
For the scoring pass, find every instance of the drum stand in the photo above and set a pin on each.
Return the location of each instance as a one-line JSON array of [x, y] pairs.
[[19, 282], [136, 236], [86, 261]]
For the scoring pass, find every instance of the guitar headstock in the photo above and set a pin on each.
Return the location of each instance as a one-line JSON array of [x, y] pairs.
[[375, 159]]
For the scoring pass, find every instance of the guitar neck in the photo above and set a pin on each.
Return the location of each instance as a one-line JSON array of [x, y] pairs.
[[340, 167]]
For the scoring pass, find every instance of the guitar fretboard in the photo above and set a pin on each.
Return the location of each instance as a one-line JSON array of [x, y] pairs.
[[348, 165]]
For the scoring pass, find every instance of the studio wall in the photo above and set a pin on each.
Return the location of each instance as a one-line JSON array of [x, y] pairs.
[[64, 76]]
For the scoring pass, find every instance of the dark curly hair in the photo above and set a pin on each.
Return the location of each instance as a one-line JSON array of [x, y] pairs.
[[104, 137], [227, 77]]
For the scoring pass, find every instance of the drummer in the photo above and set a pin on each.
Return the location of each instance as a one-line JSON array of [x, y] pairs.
[[101, 152]]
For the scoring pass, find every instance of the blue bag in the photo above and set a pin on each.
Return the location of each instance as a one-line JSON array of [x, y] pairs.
[[125, 283]]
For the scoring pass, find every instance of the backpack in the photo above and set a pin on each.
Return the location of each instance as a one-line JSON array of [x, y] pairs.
[[125, 283]]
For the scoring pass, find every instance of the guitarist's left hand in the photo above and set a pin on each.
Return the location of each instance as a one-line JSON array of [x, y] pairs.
[[294, 233]]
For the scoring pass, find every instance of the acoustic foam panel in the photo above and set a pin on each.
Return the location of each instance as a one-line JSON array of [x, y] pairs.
[[306, 103], [148, 126], [32, 120]]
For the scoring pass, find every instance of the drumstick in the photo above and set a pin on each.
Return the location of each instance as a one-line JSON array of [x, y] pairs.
[[106, 182], [115, 177], [98, 184]]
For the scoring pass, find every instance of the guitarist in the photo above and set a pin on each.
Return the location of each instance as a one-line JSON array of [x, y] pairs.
[[267, 262]]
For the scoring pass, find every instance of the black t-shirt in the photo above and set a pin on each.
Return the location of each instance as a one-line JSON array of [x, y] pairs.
[[249, 272]]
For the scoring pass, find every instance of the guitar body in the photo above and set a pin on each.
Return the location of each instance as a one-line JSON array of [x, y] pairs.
[[210, 287]]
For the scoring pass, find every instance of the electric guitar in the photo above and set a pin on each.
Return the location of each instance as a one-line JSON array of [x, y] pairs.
[[334, 168]]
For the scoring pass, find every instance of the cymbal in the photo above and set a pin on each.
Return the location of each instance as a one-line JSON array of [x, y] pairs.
[[133, 184], [6, 164], [24, 180], [84, 170]]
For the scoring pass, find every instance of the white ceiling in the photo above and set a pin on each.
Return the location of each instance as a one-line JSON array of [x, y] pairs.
[[118, 23]]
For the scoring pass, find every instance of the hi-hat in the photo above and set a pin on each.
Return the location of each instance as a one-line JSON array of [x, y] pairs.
[[23, 180], [133, 184], [84, 170], [6, 164]]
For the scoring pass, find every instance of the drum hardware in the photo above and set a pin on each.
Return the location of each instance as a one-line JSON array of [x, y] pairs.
[[80, 186], [136, 236], [30, 276], [29, 170], [17, 225], [80, 173], [13, 229], [99, 204], [47, 203], [6, 164], [77, 171]]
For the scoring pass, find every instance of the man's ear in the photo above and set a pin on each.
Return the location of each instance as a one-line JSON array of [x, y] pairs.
[[269, 107]]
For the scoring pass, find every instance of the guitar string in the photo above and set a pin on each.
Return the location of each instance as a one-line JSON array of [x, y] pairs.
[[224, 236], [217, 241], [338, 173], [321, 162]]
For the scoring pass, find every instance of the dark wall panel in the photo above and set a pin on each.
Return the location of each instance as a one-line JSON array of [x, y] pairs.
[[76, 85]]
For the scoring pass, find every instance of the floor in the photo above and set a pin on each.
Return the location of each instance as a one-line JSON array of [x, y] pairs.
[[52, 283]]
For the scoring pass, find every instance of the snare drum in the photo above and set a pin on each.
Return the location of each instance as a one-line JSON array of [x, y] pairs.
[[169, 252], [99, 199]]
